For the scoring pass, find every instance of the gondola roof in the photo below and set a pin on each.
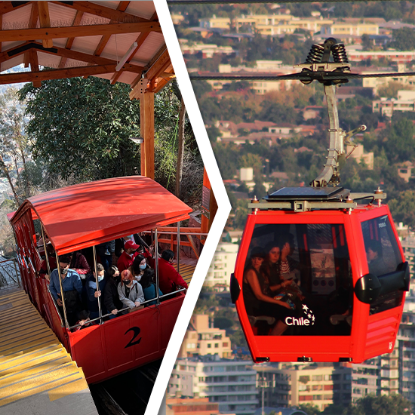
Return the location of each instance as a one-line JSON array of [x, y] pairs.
[[87, 214]]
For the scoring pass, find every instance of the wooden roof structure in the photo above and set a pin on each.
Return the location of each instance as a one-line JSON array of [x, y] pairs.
[[116, 40], [84, 38]]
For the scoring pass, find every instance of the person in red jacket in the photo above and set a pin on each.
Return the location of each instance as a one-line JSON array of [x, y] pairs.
[[127, 257], [169, 278]]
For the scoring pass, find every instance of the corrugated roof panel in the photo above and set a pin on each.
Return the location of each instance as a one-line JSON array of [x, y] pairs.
[[144, 9], [72, 63], [150, 47], [5, 46], [127, 77], [105, 76], [12, 62], [61, 42], [110, 4], [61, 15], [86, 44], [17, 19], [118, 45], [45, 59], [91, 19]]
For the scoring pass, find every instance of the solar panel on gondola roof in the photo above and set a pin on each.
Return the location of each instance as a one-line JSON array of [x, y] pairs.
[[309, 193]]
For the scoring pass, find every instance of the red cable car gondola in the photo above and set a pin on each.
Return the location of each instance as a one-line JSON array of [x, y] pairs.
[[320, 277]]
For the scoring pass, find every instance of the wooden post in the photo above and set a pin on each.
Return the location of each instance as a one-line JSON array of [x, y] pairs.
[[147, 132]]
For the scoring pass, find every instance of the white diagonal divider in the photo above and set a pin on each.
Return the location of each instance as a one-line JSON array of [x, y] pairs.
[[219, 222]]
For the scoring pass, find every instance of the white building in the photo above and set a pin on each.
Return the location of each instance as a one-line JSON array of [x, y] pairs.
[[222, 265], [231, 383]]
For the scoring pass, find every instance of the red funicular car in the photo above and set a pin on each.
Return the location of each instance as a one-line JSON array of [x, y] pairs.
[[83, 216]]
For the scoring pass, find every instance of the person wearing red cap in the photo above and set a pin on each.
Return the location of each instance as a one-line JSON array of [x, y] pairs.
[[127, 257]]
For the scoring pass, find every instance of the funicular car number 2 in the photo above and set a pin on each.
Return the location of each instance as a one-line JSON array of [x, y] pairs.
[[136, 331]]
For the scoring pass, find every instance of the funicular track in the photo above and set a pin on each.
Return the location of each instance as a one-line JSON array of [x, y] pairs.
[[126, 394]]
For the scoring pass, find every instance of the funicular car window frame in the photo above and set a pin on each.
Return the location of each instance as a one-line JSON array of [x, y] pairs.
[[304, 249], [394, 299]]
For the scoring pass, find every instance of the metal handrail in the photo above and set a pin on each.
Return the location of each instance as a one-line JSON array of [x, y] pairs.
[[129, 308]]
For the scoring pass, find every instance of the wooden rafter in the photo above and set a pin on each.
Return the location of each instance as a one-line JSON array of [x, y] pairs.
[[14, 78], [65, 53], [44, 20], [34, 66], [69, 42], [164, 79], [140, 40], [101, 11], [73, 31], [34, 15]]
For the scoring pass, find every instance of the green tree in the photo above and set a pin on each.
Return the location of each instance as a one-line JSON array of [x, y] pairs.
[[399, 141], [403, 39], [390, 90], [87, 134], [309, 409], [384, 405], [403, 208]]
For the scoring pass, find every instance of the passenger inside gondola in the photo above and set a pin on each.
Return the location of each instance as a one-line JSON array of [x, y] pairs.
[[105, 251], [93, 293], [111, 298], [307, 266], [130, 291], [375, 261], [259, 298], [71, 287], [149, 287]]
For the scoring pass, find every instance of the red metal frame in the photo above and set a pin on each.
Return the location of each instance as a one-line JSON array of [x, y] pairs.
[[370, 335]]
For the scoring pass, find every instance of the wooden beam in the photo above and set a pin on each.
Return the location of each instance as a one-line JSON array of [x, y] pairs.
[[56, 74], [101, 11], [44, 20], [9, 6], [69, 42], [159, 66], [84, 57], [142, 147], [74, 31], [147, 132], [34, 66]]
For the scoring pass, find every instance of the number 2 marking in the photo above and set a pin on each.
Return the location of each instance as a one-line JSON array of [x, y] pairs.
[[136, 331]]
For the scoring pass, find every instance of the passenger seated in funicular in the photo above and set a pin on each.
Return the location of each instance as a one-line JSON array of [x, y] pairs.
[[130, 291], [111, 299], [43, 272], [258, 297], [169, 279], [138, 267], [71, 287], [93, 293], [80, 265], [149, 287]]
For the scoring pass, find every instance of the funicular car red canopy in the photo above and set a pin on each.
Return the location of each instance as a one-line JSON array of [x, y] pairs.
[[85, 214], [82, 216]]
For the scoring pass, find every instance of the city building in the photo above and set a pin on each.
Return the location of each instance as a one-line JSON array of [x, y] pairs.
[[198, 406], [345, 28], [201, 339], [405, 170], [388, 106], [360, 156], [295, 384], [222, 265], [230, 383]]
